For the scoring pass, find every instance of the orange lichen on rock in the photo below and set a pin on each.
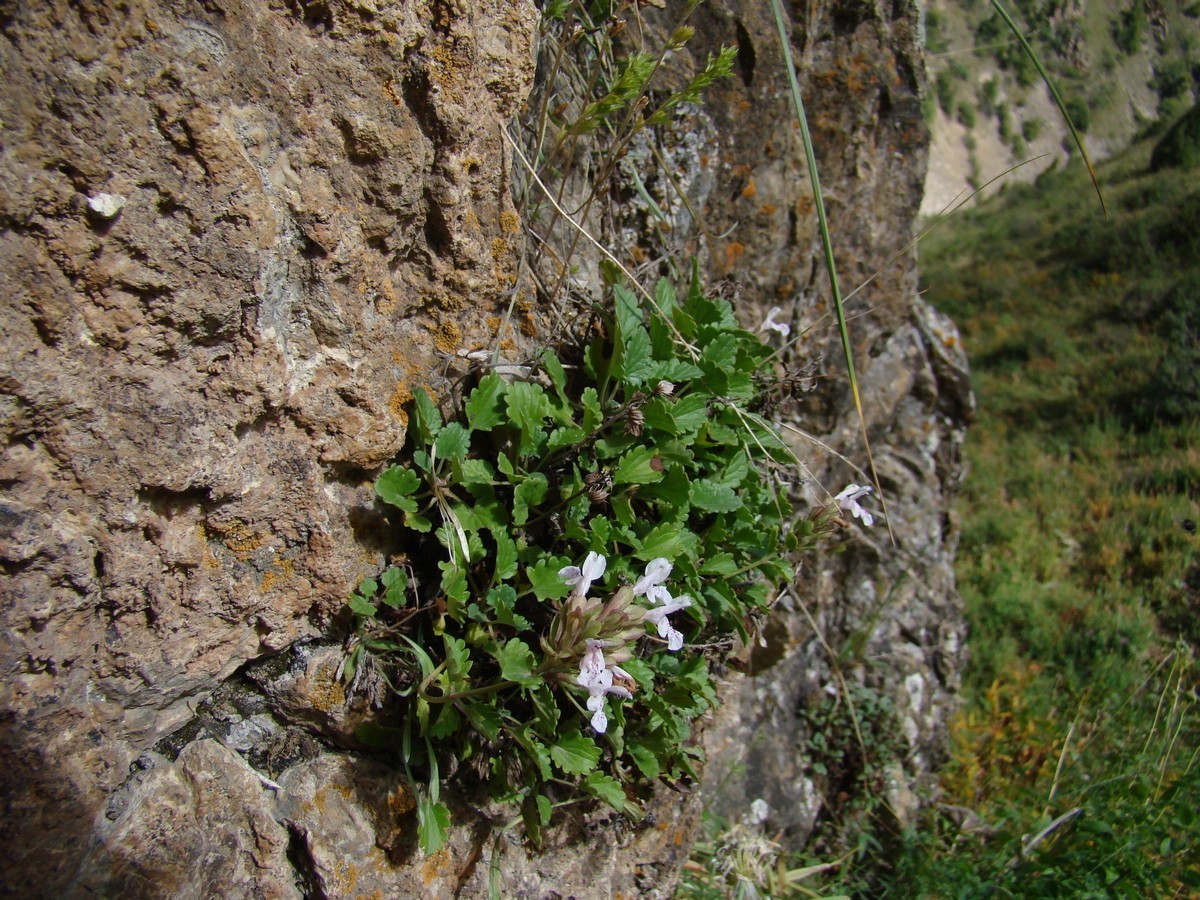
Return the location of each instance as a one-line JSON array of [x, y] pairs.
[[448, 337], [280, 572], [326, 691], [734, 251], [437, 865], [242, 540], [749, 190], [398, 402], [510, 222]]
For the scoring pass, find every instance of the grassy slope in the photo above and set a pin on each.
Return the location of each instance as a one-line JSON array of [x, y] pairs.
[[1078, 559]]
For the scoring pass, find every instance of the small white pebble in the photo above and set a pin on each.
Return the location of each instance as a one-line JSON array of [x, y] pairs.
[[107, 206]]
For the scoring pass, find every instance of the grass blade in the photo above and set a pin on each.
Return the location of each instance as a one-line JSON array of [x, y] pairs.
[[827, 244], [1058, 100]]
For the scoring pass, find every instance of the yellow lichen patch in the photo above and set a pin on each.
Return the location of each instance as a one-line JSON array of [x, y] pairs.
[[242, 540], [510, 222], [207, 558], [437, 865], [399, 400], [447, 302], [281, 571], [448, 337], [400, 801], [345, 876], [326, 690], [470, 220], [503, 257], [389, 88]]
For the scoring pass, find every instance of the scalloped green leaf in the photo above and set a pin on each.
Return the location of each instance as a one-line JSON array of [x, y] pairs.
[[713, 496], [452, 442], [395, 485], [483, 408], [575, 754], [640, 465]]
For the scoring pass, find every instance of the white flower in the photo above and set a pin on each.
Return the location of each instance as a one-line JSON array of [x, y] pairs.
[[769, 323], [848, 500], [658, 616], [650, 584], [759, 812], [581, 578], [598, 679]]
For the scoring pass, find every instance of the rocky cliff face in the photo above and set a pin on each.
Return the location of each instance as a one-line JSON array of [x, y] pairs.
[[235, 236]]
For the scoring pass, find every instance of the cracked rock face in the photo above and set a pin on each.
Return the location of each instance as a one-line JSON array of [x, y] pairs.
[[235, 236]]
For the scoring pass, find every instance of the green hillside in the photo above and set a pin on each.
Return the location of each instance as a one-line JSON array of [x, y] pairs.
[[1078, 561], [1120, 65]]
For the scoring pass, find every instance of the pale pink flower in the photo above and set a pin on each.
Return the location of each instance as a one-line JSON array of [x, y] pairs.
[[581, 578], [598, 678], [848, 500]]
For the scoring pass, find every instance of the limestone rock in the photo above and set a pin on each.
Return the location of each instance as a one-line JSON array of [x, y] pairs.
[[199, 377]]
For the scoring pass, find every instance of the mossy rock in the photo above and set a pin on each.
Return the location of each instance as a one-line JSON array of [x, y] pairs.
[[1181, 145]]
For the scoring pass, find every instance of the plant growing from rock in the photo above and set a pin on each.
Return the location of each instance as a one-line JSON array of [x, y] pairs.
[[584, 542]]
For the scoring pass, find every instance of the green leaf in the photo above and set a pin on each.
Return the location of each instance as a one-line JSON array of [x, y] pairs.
[[556, 373], [675, 371], [714, 497], [477, 471], [429, 420], [536, 749], [516, 663], [592, 414], [452, 442], [721, 564], [564, 437], [637, 362], [640, 465], [418, 523], [628, 309], [361, 606], [454, 586], [506, 557], [433, 822], [395, 485], [446, 723], [657, 414], [669, 540], [485, 718], [458, 660], [673, 490], [527, 408], [483, 407], [527, 494], [395, 582], [720, 354], [645, 759], [545, 580], [502, 599], [545, 808], [690, 412], [606, 788], [735, 471], [575, 754]]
